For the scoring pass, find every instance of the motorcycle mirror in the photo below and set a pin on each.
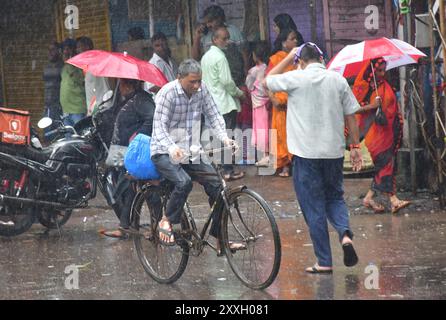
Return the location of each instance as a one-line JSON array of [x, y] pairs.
[[45, 123], [107, 96]]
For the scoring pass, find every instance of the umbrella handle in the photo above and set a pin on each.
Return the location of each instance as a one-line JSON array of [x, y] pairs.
[[374, 79]]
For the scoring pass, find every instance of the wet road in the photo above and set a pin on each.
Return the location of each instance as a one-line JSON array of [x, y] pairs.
[[405, 255]]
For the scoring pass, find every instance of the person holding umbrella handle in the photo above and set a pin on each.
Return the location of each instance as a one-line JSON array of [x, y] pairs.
[[381, 126]]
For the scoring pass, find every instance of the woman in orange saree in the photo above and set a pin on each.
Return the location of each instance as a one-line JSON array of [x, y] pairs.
[[288, 40], [382, 140]]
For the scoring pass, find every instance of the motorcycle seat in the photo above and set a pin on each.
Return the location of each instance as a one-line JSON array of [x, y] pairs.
[[39, 155], [28, 152]]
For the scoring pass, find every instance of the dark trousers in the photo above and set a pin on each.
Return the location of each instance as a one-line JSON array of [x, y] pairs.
[[231, 123], [319, 188], [123, 194], [180, 176]]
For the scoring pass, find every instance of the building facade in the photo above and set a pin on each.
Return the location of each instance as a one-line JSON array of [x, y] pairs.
[[28, 27]]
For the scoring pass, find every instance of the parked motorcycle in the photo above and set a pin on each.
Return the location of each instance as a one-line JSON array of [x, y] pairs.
[[48, 183]]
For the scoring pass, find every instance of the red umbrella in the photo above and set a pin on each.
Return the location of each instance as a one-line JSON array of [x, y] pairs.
[[395, 52], [118, 65]]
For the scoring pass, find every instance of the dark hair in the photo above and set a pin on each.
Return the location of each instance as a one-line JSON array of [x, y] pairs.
[[70, 43], [86, 41], [262, 50], [131, 82], [309, 53], [284, 21], [214, 13], [282, 37], [368, 74], [137, 33], [56, 44], [159, 36]]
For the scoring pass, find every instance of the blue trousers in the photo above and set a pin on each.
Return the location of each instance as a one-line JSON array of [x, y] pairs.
[[70, 119], [319, 187]]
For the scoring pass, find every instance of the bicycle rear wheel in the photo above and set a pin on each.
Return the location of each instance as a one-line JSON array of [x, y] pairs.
[[252, 223], [165, 264]]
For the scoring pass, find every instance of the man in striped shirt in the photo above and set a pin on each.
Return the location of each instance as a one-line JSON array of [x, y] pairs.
[[176, 127]]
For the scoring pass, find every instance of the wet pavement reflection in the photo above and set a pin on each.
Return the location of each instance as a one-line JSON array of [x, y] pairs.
[[402, 256]]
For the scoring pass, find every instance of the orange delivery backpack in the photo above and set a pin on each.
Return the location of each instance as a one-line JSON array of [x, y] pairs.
[[15, 126]]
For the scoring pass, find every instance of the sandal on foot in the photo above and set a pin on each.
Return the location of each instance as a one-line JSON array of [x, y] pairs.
[[401, 204], [316, 269], [377, 207], [285, 172], [117, 234], [234, 176], [350, 257], [233, 246], [166, 232]]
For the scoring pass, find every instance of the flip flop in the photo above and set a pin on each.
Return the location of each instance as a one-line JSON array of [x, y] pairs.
[[316, 270], [376, 207], [401, 204], [285, 172], [114, 234], [350, 257], [234, 176], [241, 246], [169, 234]]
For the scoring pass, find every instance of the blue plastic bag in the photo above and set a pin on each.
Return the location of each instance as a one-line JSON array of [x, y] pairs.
[[137, 159]]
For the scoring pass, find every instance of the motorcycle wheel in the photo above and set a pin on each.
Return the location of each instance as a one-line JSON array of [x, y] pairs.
[[16, 219], [53, 219]]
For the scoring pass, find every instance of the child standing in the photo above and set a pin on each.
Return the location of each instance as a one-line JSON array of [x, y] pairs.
[[260, 101]]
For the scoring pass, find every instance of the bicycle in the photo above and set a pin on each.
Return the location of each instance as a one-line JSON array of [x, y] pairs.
[[245, 218]]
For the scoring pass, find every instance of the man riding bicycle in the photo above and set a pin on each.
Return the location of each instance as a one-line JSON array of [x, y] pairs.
[[176, 127]]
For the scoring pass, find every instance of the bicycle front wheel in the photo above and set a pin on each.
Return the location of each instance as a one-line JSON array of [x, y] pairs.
[[165, 264], [251, 223]]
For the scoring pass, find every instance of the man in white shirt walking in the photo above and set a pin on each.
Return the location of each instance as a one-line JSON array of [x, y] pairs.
[[162, 59], [218, 79], [320, 104]]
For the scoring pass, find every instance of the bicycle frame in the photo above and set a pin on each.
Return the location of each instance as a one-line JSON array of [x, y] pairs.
[[219, 206], [221, 203], [166, 262]]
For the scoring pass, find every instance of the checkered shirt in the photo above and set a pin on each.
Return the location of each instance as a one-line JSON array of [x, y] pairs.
[[177, 119]]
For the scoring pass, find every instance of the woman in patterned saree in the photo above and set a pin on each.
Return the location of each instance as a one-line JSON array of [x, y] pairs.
[[382, 140]]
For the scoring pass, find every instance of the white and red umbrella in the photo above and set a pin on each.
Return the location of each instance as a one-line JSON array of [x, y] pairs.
[[396, 53]]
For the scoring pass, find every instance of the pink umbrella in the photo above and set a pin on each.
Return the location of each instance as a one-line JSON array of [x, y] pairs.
[[118, 65], [396, 53]]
